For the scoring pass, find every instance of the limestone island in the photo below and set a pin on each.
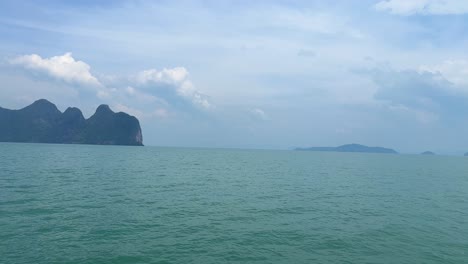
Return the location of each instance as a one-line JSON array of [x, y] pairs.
[[428, 153], [351, 148], [42, 122]]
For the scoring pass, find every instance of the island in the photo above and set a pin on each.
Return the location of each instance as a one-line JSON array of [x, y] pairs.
[[428, 153], [466, 154], [42, 122], [351, 148]]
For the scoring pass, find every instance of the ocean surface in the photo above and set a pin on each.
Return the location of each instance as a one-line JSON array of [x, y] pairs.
[[110, 204]]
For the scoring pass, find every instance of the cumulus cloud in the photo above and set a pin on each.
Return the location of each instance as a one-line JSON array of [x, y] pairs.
[[178, 79], [64, 68], [455, 71], [427, 7], [150, 89]]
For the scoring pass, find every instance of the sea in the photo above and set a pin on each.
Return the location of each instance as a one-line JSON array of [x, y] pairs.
[[117, 204]]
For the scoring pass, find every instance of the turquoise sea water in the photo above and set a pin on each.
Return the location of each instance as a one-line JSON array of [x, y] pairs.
[[106, 204]]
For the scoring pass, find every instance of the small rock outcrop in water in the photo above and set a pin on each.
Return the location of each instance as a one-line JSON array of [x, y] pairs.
[[428, 153], [42, 122], [351, 148]]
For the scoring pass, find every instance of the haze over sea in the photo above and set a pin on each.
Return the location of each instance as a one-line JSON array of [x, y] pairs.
[[110, 204]]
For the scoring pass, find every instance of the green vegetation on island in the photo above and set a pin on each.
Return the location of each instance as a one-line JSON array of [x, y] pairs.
[[42, 122]]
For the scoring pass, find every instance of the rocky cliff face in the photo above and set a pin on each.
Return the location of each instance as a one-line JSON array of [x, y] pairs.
[[42, 122]]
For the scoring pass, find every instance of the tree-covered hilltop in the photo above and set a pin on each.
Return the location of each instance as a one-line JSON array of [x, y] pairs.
[[42, 122]]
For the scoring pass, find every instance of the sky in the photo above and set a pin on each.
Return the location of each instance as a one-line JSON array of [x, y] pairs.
[[249, 74]]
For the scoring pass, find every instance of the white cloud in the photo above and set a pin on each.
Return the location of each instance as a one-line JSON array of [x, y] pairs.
[[455, 71], [434, 7], [64, 68], [259, 114], [171, 76], [123, 92], [178, 79]]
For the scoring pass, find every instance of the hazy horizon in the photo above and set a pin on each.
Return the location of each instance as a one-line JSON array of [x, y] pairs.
[[236, 74]]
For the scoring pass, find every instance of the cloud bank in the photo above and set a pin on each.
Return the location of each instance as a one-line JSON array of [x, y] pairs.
[[427, 96], [140, 89]]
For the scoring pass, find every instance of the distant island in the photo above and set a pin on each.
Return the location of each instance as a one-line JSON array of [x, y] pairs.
[[466, 154], [42, 122], [428, 153], [351, 148]]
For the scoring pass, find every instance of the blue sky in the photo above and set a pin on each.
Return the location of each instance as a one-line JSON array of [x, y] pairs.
[[250, 74]]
